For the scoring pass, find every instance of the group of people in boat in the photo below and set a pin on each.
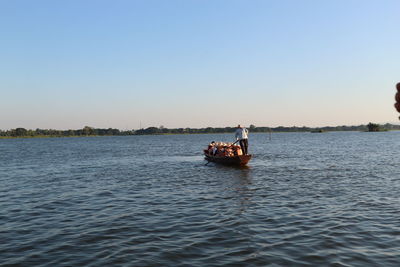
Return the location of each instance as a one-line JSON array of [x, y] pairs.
[[221, 149]]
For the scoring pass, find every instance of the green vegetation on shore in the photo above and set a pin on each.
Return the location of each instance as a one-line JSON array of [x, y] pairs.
[[90, 131], [373, 127], [86, 131]]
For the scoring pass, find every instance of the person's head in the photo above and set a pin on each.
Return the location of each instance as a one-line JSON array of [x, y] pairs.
[[239, 126]]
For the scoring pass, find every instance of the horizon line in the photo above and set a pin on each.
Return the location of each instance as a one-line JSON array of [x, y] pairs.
[[161, 127]]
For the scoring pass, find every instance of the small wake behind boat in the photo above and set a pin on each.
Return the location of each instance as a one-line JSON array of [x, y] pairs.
[[228, 154]]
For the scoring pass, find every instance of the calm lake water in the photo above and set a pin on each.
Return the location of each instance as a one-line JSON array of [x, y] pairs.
[[305, 199]]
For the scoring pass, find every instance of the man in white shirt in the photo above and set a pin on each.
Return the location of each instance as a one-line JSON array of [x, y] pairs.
[[242, 135]]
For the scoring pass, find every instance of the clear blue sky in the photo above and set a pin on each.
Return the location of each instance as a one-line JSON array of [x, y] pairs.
[[191, 63]]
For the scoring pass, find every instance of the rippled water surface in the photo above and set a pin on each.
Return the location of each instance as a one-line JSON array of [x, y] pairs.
[[305, 199]]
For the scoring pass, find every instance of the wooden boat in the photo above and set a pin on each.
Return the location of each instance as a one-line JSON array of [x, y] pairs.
[[239, 160]]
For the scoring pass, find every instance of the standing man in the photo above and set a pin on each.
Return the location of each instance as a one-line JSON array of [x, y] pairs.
[[242, 135]]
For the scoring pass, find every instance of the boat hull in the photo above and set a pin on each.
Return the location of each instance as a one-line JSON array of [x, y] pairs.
[[236, 160]]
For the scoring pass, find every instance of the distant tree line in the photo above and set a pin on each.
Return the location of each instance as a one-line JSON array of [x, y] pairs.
[[254, 129], [90, 131], [85, 131], [373, 127]]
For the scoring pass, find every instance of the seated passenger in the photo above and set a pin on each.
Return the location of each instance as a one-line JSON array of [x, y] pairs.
[[237, 151], [214, 150], [211, 148]]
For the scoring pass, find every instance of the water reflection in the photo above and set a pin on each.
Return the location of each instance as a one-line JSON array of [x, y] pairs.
[[235, 186], [242, 188]]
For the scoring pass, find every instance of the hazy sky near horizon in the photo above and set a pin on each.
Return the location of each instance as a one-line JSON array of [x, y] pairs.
[[191, 63]]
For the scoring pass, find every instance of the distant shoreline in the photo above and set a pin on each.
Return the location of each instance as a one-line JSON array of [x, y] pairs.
[[95, 132], [81, 136]]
